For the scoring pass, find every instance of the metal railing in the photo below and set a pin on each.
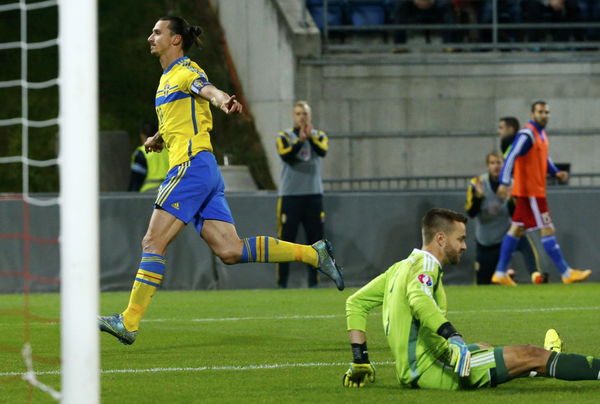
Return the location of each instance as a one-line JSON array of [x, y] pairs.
[[494, 27], [439, 183]]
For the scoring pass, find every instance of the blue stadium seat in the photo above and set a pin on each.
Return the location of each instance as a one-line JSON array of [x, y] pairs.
[[368, 12], [336, 10]]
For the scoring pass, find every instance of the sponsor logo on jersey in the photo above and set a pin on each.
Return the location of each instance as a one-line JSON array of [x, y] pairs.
[[425, 279]]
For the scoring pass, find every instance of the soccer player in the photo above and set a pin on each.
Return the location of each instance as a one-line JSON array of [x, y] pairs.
[[492, 220], [428, 350], [193, 190], [529, 157]]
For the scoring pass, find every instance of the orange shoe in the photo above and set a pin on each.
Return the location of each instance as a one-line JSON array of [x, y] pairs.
[[505, 280], [577, 275], [538, 277]]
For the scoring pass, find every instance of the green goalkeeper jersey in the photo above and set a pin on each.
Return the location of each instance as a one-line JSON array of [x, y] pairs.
[[414, 307]]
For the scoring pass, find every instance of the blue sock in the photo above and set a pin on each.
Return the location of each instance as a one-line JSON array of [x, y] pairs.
[[553, 249], [509, 245]]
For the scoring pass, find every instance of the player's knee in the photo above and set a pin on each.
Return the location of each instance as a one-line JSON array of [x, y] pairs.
[[151, 245], [228, 256], [532, 353]]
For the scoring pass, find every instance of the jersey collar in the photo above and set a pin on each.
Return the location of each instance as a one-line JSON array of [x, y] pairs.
[[416, 250], [174, 63]]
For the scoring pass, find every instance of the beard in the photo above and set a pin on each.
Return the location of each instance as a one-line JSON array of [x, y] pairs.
[[453, 256]]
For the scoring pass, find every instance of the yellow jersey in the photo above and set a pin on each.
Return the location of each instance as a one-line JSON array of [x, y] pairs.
[[184, 118]]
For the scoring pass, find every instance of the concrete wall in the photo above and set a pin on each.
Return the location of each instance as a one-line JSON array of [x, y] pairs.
[[265, 37], [369, 232], [443, 94]]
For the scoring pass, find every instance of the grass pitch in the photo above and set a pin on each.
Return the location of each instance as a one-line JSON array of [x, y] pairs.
[[283, 346]]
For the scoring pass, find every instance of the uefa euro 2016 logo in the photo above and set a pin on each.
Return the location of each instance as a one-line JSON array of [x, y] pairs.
[[425, 279]]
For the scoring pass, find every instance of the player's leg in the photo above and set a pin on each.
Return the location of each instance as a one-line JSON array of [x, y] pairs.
[[507, 249], [568, 274], [530, 255], [520, 221], [487, 257], [288, 221], [486, 371], [520, 359], [163, 228], [223, 240], [313, 221]]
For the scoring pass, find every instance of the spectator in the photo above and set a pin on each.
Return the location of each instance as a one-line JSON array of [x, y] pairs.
[[148, 170], [492, 220], [554, 11], [424, 12], [509, 12], [301, 187], [466, 12], [590, 12]]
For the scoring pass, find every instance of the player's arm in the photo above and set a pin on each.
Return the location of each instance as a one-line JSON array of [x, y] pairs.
[[358, 307], [154, 143], [555, 172], [474, 197], [521, 145], [287, 148], [220, 99], [319, 143], [420, 291], [201, 86]]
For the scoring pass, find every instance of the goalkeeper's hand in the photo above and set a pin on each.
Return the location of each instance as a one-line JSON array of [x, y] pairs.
[[356, 375], [460, 357]]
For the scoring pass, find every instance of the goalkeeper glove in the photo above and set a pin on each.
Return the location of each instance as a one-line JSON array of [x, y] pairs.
[[460, 357], [360, 368], [357, 374]]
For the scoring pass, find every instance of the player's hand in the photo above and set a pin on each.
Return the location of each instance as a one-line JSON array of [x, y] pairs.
[[356, 375], [154, 143], [503, 192], [562, 176], [460, 357], [306, 131], [231, 106], [479, 188]]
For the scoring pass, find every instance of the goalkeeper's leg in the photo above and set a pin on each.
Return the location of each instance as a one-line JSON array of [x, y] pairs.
[[526, 358]]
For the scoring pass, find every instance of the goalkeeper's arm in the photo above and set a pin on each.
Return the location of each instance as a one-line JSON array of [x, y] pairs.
[[460, 356], [360, 369]]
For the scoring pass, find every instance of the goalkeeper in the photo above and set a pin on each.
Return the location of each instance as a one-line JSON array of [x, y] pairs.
[[428, 351]]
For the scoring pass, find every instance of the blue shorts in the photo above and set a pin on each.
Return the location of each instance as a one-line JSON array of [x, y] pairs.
[[195, 190]]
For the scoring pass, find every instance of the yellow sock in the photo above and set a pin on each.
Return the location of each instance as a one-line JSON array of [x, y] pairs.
[[269, 249], [147, 280]]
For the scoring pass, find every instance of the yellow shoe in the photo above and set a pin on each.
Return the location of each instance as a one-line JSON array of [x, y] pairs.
[[538, 277], [577, 275], [505, 280], [552, 342]]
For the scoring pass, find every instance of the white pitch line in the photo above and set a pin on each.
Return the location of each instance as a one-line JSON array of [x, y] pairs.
[[331, 316], [204, 368]]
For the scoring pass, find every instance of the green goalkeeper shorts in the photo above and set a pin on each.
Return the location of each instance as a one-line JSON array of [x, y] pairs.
[[487, 370]]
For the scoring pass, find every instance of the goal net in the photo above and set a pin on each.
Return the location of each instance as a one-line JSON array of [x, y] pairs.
[[49, 199]]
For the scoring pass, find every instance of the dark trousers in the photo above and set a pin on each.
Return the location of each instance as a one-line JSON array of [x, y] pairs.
[[487, 258], [292, 212]]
